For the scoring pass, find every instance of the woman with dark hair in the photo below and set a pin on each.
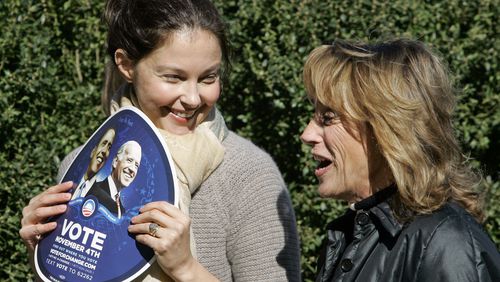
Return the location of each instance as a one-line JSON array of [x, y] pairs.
[[235, 222], [383, 138]]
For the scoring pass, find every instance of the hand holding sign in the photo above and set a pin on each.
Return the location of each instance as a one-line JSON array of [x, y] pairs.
[[49, 203]]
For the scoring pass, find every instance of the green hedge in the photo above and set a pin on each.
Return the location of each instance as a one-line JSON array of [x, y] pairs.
[[51, 67]]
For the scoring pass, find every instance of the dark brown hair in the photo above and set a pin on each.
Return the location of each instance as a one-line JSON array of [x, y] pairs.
[[138, 26]]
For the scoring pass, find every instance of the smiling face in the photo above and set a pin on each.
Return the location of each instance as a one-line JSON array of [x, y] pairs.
[[178, 83], [126, 163], [100, 153], [342, 152]]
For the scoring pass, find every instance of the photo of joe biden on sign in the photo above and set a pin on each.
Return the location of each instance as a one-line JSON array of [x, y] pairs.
[[124, 170]]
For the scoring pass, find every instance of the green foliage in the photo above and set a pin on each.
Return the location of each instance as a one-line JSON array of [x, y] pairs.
[[52, 58]]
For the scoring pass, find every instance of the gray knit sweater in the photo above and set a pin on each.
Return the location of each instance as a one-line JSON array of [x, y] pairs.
[[242, 217]]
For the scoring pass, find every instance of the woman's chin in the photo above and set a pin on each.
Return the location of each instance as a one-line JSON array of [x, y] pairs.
[[325, 192], [174, 127], [333, 192], [178, 130]]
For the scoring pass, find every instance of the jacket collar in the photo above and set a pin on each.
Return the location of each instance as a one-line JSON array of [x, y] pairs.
[[377, 205], [385, 216], [375, 199]]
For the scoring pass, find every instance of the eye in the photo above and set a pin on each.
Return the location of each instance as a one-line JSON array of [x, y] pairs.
[[211, 78], [173, 78], [326, 118]]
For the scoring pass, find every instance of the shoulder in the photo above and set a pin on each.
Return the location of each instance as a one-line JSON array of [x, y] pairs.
[[100, 188], [249, 180], [247, 168], [101, 184], [66, 162], [452, 238], [241, 149], [246, 183], [243, 159], [450, 221]]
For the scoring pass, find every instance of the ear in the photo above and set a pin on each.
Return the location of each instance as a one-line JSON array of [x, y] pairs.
[[125, 65], [115, 160]]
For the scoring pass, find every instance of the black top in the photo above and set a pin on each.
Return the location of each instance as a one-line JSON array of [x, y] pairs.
[[370, 245]]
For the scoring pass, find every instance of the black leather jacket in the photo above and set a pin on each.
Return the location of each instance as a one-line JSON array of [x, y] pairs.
[[370, 245]]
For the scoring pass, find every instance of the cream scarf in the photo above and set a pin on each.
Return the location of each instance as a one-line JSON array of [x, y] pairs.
[[196, 155]]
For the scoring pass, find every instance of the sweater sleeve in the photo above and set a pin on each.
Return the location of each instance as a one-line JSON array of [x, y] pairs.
[[263, 243]]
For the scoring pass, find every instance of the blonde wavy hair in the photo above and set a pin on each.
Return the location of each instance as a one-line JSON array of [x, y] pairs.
[[402, 90]]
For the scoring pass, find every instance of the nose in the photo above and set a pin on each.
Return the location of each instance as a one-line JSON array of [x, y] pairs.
[[310, 136], [191, 98]]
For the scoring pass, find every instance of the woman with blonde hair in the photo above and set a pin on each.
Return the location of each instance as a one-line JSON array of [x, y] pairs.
[[383, 138]]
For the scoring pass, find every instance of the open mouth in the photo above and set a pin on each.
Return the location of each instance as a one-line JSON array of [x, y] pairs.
[[129, 174], [323, 165], [185, 115], [99, 159]]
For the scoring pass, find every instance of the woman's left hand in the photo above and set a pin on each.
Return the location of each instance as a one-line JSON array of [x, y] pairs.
[[170, 238]]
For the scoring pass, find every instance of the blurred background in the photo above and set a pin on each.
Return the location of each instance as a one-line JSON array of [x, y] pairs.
[[52, 57]]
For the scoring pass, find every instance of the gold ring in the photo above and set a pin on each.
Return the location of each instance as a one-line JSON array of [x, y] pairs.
[[153, 228]]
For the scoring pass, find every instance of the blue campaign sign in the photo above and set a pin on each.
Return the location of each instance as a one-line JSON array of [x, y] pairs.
[[123, 166]]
